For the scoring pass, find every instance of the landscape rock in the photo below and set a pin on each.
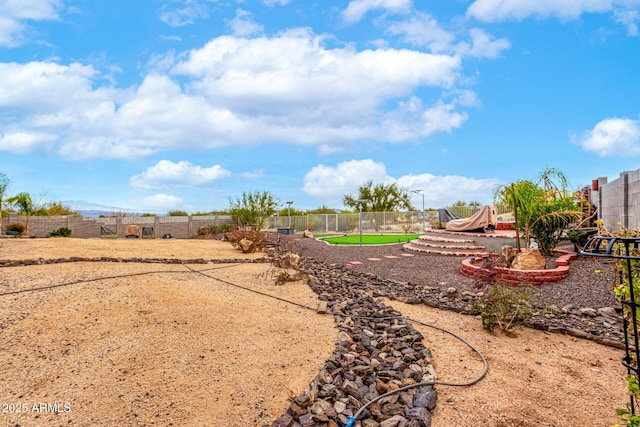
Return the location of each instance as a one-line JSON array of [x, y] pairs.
[[529, 259]]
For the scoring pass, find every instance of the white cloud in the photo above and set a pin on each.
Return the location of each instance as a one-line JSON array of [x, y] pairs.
[[358, 8], [159, 201], [423, 30], [254, 174], [24, 142], [242, 25], [329, 184], [166, 173], [272, 3], [501, 10], [440, 191], [612, 137], [43, 87], [288, 89], [483, 45], [185, 15], [14, 14], [630, 19]]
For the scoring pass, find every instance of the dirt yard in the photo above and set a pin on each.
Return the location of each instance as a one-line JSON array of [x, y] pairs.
[[156, 344]]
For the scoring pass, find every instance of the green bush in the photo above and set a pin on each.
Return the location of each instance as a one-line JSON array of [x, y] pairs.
[[60, 232]]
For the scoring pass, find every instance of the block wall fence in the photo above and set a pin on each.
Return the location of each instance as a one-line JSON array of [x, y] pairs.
[[618, 201], [181, 227]]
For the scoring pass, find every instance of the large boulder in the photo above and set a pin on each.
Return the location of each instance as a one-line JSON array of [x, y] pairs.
[[529, 259]]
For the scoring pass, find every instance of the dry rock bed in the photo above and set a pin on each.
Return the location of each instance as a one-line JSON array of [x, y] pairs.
[[125, 334]]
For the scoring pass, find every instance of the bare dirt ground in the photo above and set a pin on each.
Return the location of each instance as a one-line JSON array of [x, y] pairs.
[[534, 379], [170, 347], [166, 348]]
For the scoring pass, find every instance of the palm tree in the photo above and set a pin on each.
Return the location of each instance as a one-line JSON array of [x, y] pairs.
[[544, 207], [24, 204]]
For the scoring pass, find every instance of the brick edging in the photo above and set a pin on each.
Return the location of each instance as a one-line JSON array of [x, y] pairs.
[[517, 277]]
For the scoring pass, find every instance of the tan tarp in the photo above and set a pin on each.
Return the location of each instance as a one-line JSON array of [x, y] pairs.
[[487, 216], [133, 230]]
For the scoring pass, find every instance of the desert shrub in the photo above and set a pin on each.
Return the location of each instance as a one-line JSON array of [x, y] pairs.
[[16, 227], [504, 306], [507, 307], [213, 229], [225, 227], [60, 232]]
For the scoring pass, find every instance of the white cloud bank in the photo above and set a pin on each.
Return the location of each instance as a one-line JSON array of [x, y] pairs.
[[625, 11], [356, 9], [330, 183], [612, 137], [166, 173], [288, 89], [423, 30], [15, 14]]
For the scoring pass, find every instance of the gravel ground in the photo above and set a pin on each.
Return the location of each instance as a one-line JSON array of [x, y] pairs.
[[589, 283]]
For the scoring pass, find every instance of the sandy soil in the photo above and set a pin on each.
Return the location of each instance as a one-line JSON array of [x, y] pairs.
[[166, 348], [534, 379], [170, 347]]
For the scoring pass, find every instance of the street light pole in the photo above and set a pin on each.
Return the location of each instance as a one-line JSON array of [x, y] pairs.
[[421, 192], [289, 212]]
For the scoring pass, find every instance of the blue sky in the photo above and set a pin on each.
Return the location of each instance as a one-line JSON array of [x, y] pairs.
[[164, 105]]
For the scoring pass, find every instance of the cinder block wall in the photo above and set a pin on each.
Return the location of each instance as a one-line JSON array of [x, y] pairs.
[[618, 201], [183, 227]]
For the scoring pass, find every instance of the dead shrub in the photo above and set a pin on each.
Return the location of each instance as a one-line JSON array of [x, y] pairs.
[[247, 241]]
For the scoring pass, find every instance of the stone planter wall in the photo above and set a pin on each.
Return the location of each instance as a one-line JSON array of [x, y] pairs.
[[471, 268]]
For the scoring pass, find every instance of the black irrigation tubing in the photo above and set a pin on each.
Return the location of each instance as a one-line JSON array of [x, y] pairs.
[[351, 420], [485, 369], [226, 282], [97, 279]]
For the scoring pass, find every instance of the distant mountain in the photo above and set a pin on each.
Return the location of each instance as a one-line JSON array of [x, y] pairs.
[[94, 210]]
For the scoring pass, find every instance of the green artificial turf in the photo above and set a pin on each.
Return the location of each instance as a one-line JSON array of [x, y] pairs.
[[370, 239]]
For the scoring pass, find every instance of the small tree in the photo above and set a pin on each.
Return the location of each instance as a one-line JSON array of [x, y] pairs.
[[253, 208], [380, 198], [4, 186], [57, 208], [24, 204]]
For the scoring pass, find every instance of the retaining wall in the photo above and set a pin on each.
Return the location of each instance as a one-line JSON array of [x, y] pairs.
[[471, 268]]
